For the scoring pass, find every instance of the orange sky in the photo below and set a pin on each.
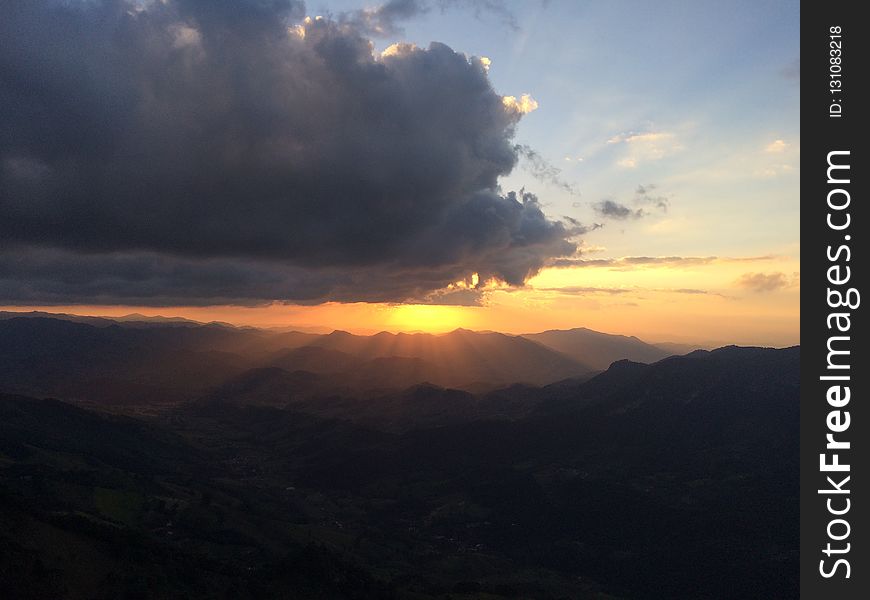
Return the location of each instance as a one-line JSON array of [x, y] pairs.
[[742, 300]]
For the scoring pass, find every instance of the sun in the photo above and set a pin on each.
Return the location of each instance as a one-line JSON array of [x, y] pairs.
[[429, 318]]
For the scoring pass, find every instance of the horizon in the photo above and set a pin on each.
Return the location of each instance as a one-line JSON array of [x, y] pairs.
[[157, 317]]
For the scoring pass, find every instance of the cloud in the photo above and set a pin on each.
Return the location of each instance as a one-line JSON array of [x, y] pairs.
[[632, 262], [611, 209], [524, 105], [543, 170], [776, 147], [385, 20], [613, 291], [763, 282], [573, 290], [641, 147], [199, 152], [645, 195], [481, 8]]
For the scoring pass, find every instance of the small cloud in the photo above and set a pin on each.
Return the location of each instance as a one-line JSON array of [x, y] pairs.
[[644, 195], [635, 262], [455, 297], [387, 19], [644, 146], [573, 290], [763, 282], [611, 209], [384, 20], [542, 170], [776, 147], [524, 105]]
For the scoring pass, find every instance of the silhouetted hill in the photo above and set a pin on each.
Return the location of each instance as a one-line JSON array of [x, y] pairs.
[[597, 349], [316, 359], [464, 357], [738, 375], [112, 364], [166, 363], [676, 479]]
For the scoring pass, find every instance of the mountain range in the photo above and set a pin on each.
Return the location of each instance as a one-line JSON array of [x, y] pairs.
[[165, 361], [203, 461]]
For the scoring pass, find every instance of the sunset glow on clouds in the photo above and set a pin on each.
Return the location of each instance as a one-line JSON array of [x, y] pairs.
[[359, 175]]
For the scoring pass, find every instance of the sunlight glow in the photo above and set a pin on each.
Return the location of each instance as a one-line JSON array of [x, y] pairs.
[[429, 318]]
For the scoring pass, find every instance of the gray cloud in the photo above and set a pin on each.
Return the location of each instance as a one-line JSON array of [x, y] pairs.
[[542, 169], [611, 209], [386, 20], [576, 290], [584, 291], [629, 262], [222, 151], [645, 195], [482, 8]]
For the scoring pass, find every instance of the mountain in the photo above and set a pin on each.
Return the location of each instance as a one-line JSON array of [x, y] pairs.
[[693, 456], [598, 350], [675, 479], [154, 367], [115, 365], [166, 363], [677, 348], [464, 357], [134, 320]]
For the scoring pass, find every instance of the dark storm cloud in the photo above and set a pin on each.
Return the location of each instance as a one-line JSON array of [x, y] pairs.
[[49, 276], [224, 150]]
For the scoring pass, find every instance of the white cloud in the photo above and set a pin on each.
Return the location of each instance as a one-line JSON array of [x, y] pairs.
[[776, 147], [644, 147]]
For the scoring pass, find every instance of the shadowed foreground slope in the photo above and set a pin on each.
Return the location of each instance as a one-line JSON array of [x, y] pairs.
[[677, 479]]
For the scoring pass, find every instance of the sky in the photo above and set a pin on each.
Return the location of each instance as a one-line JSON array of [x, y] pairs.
[[631, 167]]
